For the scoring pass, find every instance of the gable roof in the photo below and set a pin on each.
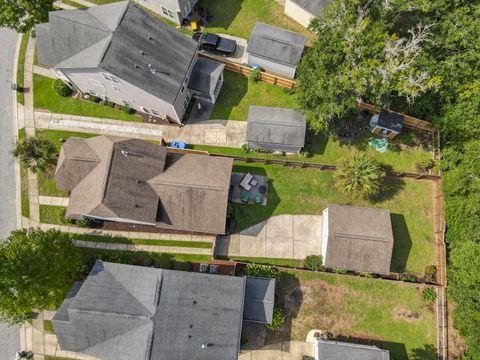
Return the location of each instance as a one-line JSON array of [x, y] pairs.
[[334, 350], [121, 39], [131, 312], [137, 180], [259, 299], [205, 75], [276, 44], [314, 7], [276, 126], [390, 120], [359, 239]]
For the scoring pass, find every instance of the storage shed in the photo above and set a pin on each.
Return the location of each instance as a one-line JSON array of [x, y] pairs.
[[275, 50], [275, 129], [357, 239], [387, 124], [303, 11]]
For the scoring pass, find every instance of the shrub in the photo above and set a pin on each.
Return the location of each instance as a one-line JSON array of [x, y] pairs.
[[85, 222], [430, 273], [185, 266], [127, 109], [245, 148], [277, 320], [254, 75], [109, 103], [314, 262], [162, 262], [63, 218], [408, 278], [61, 88], [429, 294], [94, 98], [261, 271], [340, 271]]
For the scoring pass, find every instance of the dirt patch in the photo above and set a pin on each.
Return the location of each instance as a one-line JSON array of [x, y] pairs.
[[401, 313]]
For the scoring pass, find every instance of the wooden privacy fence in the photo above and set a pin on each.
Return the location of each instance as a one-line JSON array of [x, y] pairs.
[[408, 120], [245, 71], [309, 165]]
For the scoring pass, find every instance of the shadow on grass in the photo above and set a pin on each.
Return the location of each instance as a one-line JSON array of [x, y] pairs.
[[402, 243], [222, 15], [247, 215], [426, 352], [397, 350], [233, 91], [317, 142], [390, 188]]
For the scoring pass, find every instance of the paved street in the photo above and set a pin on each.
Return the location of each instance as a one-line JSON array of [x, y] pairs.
[[9, 337]]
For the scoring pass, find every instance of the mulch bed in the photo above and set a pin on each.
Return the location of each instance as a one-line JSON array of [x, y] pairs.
[[117, 226]]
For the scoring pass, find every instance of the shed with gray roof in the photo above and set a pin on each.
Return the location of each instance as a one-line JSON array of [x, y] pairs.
[[357, 239], [335, 350], [275, 50], [126, 312], [275, 129], [303, 11]]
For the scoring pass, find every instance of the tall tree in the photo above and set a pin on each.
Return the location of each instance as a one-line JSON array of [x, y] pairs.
[[36, 154], [22, 15], [37, 270]]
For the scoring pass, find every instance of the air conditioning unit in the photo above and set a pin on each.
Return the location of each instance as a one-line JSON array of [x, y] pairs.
[[204, 268], [213, 269]]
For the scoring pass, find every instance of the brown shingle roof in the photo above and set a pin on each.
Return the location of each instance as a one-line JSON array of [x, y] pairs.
[[359, 239], [140, 181]]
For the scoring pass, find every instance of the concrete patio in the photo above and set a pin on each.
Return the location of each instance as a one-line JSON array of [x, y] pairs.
[[282, 236]]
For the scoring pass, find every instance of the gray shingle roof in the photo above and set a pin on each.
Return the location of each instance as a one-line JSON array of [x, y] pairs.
[[276, 44], [359, 239], [278, 126], [389, 120], [259, 299], [333, 350], [205, 76], [121, 39], [314, 7], [126, 312]]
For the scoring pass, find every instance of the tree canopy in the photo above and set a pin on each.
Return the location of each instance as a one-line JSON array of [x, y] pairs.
[[22, 15], [36, 154], [38, 269], [359, 176]]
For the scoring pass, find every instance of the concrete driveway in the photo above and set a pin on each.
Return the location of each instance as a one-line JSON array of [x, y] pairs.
[[282, 236], [240, 56]]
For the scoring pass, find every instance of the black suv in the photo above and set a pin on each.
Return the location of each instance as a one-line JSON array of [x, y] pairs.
[[215, 44]]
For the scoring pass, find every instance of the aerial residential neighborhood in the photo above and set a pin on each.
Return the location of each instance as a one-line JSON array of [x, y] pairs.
[[239, 179]]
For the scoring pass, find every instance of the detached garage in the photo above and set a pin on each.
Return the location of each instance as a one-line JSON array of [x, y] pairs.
[[303, 11], [275, 50]]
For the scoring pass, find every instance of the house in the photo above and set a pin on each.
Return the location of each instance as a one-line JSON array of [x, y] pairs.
[[357, 239], [275, 129], [173, 10], [275, 50], [387, 124], [134, 181], [120, 53], [303, 11], [126, 312]]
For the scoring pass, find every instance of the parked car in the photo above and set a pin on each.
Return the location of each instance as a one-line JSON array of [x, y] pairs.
[[215, 44]]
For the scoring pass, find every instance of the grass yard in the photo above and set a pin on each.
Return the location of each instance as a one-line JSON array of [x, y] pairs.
[[103, 2], [391, 315], [21, 67], [238, 93], [48, 327], [303, 191], [238, 17], [44, 97], [123, 240], [74, 4], [50, 214], [24, 203]]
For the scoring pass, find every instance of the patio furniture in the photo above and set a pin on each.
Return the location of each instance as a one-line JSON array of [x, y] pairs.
[[262, 189], [254, 182], [244, 199], [258, 200], [245, 184]]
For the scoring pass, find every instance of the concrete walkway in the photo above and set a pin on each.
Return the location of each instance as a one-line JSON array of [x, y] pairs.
[[40, 70], [53, 200], [286, 350], [282, 237], [217, 133]]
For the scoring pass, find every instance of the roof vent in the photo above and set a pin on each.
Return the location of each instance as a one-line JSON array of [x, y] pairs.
[[137, 66], [206, 345], [124, 152], [150, 37], [142, 52]]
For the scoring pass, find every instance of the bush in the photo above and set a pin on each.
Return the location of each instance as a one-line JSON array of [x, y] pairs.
[[61, 88], [184, 266], [277, 320], [85, 222], [430, 273], [163, 262], [245, 148], [429, 294], [94, 98], [254, 75], [127, 109], [109, 103], [408, 278], [340, 271], [314, 262], [425, 163], [261, 271], [62, 218]]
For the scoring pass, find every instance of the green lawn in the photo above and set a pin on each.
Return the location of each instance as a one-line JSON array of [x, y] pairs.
[[74, 4], [391, 315], [24, 203], [103, 2], [325, 150], [304, 191], [50, 214], [123, 240], [48, 327], [21, 66], [238, 17], [238, 93], [45, 98], [267, 261]]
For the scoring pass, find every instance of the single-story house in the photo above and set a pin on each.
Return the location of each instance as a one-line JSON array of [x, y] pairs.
[[126, 312], [134, 181], [275, 129], [387, 123], [357, 239], [173, 10], [303, 11], [275, 50], [123, 54]]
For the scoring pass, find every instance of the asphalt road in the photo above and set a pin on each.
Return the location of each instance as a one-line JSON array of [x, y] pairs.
[[9, 336]]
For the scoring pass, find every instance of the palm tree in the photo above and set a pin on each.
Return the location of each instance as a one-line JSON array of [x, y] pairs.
[[359, 176], [36, 154]]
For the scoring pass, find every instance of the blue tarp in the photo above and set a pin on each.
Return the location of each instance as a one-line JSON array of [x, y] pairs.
[[381, 145], [178, 145]]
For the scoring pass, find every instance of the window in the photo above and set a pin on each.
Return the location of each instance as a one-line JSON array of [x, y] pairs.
[[126, 103], [110, 77], [155, 112], [167, 12]]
